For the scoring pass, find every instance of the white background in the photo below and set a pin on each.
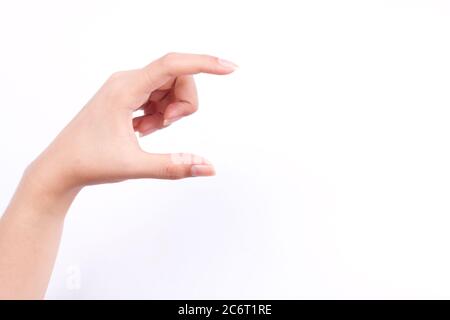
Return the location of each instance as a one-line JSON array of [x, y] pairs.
[[331, 145]]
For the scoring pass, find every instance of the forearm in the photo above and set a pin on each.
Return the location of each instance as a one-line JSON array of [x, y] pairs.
[[30, 232], [98, 146]]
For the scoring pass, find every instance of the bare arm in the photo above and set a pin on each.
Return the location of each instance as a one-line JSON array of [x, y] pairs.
[[30, 231], [98, 146]]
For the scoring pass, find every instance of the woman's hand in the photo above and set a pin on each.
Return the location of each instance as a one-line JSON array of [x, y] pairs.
[[99, 145]]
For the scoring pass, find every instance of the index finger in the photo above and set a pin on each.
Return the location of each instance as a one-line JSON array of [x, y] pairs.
[[180, 64]]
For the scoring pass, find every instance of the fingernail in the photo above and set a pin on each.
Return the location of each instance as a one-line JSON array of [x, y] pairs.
[[169, 121], [227, 64], [202, 170]]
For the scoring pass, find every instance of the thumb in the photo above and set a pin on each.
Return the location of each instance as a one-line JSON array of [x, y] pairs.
[[171, 166]]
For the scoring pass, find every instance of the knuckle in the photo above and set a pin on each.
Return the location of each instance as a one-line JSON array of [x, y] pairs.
[[169, 58], [116, 80], [116, 76], [168, 61], [171, 55], [118, 85], [173, 172]]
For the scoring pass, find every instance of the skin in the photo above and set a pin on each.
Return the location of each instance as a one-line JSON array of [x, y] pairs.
[[98, 146]]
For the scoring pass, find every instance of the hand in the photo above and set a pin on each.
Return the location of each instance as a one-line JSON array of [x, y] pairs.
[[99, 145]]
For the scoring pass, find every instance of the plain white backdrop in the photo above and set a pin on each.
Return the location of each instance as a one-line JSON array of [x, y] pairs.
[[331, 144]]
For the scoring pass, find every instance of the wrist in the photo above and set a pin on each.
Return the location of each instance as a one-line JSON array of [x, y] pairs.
[[41, 189]]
